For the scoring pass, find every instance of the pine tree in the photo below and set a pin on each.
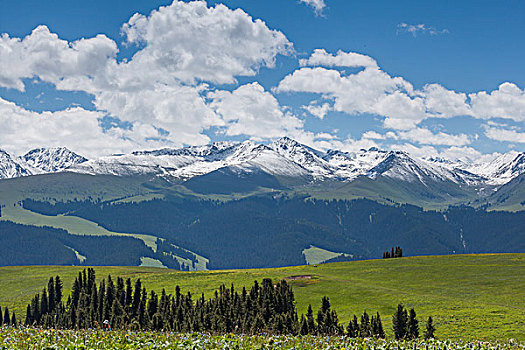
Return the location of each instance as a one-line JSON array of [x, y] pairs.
[[1, 317], [430, 329], [7, 320], [136, 298], [52, 295], [44, 305], [58, 290], [303, 326], [412, 326], [312, 329], [379, 332], [365, 329], [13, 320], [399, 322], [352, 330], [29, 317]]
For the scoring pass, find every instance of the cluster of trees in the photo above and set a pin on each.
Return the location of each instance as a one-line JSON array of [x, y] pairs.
[[393, 253], [266, 307], [369, 327], [7, 320], [406, 325]]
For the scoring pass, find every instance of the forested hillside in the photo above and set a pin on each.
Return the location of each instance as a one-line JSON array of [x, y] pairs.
[[267, 231]]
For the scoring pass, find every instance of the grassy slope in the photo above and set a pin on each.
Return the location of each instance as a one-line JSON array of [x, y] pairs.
[[469, 296]]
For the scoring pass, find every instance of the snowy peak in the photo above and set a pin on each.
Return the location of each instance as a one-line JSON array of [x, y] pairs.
[[51, 160], [284, 156], [10, 167], [502, 169], [308, 158]]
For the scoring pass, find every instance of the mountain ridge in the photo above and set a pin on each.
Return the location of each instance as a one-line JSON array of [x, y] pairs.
[[283, 157]]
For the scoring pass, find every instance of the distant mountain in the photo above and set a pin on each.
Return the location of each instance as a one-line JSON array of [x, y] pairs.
[[287, 164], [10, 167], [52, 160]]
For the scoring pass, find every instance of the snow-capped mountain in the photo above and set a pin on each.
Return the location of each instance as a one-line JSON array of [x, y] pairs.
[[284, 157], [9, 167], [51, 160], [502, 169]]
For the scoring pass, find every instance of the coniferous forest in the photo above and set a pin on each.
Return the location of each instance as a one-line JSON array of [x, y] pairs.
[[266, 307]]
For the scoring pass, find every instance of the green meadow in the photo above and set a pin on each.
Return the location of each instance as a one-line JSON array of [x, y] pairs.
[[469, 296]]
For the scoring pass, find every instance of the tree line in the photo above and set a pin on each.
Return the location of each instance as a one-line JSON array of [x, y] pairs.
[[267, 307], [393, 253]]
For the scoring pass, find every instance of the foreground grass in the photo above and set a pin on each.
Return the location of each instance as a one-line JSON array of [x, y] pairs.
[[30, 338], [469, 296]]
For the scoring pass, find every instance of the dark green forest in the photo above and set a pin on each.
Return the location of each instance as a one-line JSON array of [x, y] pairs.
[[266, 231], [31, 245]]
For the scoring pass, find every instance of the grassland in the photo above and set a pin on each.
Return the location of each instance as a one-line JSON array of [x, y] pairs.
[[469, 296]]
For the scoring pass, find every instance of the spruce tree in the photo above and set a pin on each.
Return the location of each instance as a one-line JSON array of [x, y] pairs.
[[1, 317], [352, 330], [379, 332], [412, 326], [58, 290], [29, 317], [365, 329], [7, 320], [312, 329], [430, 329], [44, 305], [13, 320], [399, 322], [52, 295]]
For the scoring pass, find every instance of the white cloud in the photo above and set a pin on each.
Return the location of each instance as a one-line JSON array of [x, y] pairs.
[[369, 91], [506, 135], [317, 5], [189, 41], [426, 137], [318, 111], [374, 135], [42, 54], [506, 102], [372, 91], [161, 86], [343, 59], [421, 28], [76, 128], [443, 103], [252, 111]]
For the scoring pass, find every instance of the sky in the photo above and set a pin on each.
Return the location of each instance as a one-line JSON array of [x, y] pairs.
[[433, 78]]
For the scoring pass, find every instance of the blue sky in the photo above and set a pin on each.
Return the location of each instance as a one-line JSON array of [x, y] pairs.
[[242, 77]]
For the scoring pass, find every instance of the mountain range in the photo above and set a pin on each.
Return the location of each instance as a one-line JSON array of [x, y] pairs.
[[285, 157], [395, 175], [247, 204]]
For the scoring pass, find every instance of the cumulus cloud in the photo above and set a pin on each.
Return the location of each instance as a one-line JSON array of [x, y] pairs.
[[191, 41], [372, 91], [181, 48], [426, 137], [43, 54], [252, 111], [421, 28], [506, 102], [317, 5], [77, 128], [318, 111], [506, 135], [343, 59]]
